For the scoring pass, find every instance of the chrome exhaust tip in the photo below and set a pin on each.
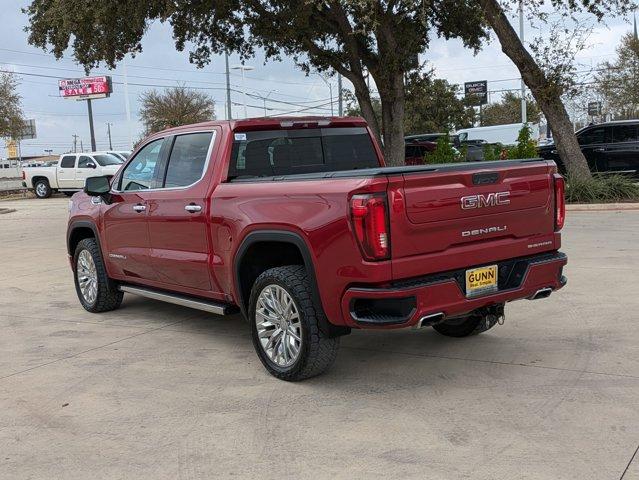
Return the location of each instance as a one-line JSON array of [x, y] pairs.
[[541, 293], [430, 320]]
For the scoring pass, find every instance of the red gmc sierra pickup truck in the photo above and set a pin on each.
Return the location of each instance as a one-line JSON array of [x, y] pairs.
[[297, 224]]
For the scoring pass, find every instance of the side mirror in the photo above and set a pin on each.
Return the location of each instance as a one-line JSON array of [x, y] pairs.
[[97, 186], [90, 165]]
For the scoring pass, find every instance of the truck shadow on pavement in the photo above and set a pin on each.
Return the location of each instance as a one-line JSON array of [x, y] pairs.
[[400, 358]]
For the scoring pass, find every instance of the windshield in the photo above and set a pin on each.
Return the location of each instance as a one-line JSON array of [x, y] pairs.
[[105, 159], [304, 150], [122, 155]]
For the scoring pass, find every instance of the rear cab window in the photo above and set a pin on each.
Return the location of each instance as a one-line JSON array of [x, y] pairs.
[[305, 150], [68, 161]]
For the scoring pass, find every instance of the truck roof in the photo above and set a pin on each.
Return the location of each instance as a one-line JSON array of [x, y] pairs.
[[268, 123]]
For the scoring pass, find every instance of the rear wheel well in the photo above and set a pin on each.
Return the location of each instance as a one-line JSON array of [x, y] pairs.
[[35, 180], [261, 256], [77, 235], [268, 252]]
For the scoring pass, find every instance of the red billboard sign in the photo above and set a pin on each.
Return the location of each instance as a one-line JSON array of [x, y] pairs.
[[85, 88]]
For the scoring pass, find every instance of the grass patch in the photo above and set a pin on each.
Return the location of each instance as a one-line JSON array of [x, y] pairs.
[[602, 189]]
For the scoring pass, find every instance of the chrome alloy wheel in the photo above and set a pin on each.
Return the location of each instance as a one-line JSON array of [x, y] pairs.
[[41, 189], [279, 327], [87, 277]]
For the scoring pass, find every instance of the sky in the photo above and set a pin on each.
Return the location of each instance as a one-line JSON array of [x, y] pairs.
[[160, 65]]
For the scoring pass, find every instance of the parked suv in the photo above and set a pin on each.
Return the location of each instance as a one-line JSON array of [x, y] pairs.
[[611, 147], [297, 224]]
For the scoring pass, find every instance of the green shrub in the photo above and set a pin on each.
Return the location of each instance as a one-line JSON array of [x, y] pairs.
[[526, 147], [444, 152], [601, 189], [492, 151]]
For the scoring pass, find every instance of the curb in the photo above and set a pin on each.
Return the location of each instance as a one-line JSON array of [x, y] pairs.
[[601, 207]]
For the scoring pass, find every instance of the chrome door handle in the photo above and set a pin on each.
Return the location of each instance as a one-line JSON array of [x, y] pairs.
[[599, 150], [139, 208], [192, 208]]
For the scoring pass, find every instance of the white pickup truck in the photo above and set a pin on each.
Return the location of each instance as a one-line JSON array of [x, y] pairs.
[[69, 173]]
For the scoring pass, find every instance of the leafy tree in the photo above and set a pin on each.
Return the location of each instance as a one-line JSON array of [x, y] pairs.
[[508, 110], [381, 37], [432, 105], [12, 121], [618, 81], [174, 107], [546, 74]]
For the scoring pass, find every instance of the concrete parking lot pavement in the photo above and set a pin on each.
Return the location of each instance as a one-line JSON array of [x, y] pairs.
[[163, 392]]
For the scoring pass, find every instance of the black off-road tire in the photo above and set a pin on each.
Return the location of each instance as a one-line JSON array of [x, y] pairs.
[[108, 296], [42, 189], [318, 351], [466, 326]]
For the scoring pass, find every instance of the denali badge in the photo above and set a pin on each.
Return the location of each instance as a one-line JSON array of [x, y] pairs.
[[484, 231], [480, 201], [117, 255]]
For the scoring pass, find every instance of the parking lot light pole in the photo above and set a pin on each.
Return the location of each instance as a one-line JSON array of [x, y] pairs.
[[243, 68]]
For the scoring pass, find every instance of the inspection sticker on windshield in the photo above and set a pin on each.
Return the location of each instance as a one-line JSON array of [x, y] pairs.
[[480, 281], [240, 137]]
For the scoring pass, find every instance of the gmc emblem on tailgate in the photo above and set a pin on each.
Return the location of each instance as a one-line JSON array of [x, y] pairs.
[[481, 201]]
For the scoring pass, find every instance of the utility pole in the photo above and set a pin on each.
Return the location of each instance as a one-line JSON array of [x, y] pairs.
[[81, 146], [524, 116], [340, 102], [75, 143], [264, 99], [229, 109], [127, 106], [93, 149], [330, 90], [109, 133]]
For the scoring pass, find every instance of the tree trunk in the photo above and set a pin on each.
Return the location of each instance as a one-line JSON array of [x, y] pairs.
[[547, 95], [393, 100]]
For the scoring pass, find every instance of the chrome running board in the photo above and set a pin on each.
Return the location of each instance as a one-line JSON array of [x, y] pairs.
[[183, 300]]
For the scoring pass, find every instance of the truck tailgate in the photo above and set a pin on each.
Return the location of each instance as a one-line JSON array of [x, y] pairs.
[[470, 215]]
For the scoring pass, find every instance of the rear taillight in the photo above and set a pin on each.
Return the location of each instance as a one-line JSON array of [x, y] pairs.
[[24, 177], [560, 201], [370, 222]]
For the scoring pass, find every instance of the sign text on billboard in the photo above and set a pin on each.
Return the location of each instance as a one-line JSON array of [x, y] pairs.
[[85, 88], [477, 90]]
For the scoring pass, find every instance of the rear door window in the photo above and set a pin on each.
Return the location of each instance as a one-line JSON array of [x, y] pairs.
[[592, 136], [625, 133], [308, 150], [68, 161], [187, 159]]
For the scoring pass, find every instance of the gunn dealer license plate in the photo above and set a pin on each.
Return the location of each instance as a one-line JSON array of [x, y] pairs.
[[480, 281]]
